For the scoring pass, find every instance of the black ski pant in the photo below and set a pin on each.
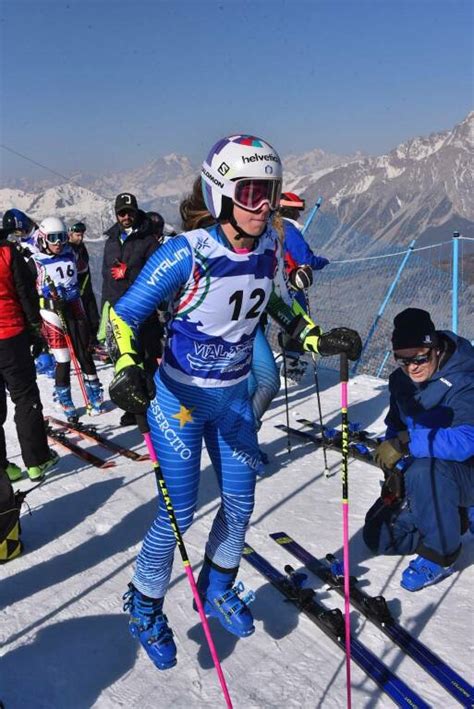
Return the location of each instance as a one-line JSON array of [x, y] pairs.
[[73, 317], [90, 306], [80, 338], [18, 374]]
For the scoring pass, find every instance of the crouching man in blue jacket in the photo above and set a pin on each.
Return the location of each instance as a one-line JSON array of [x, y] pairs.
[[428, 452]]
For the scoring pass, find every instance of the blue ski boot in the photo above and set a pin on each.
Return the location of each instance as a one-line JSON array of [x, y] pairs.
[[63, 396], [221, 599], [150, 626], [422, 572], [95, 393]]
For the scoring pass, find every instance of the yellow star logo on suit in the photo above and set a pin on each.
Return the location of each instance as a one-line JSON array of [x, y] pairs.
[[183, 416]]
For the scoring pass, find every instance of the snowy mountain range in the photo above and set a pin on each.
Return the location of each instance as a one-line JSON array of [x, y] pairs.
[[423, 188]]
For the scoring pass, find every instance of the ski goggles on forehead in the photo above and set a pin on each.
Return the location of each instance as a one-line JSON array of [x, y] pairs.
[[56, 237], [251, 193]]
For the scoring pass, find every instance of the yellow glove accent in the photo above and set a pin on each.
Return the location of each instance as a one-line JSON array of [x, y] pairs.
[[123, 334], [126, 360], [311, 339], [104, 319], [297, 308]]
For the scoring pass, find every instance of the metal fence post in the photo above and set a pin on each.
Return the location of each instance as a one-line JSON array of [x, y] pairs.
[[384, 305], [454, 317]]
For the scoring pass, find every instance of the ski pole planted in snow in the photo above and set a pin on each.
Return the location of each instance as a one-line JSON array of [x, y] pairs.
[[145, 431], [344, 370], [70, 346], [318, 392], [287, 407]]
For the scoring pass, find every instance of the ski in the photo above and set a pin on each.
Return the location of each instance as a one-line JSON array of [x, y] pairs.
[[60, 438], [356, 450], [375, 608], [331, 622], [356, 435], [89, 432]]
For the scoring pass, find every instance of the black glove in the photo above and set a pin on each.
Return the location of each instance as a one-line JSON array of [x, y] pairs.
[[132, 389], [301, 277], [340, 340], [289, 344], [37, 343]]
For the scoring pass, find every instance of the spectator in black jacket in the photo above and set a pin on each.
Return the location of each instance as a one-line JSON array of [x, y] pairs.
[[131, 241], [76, 241]]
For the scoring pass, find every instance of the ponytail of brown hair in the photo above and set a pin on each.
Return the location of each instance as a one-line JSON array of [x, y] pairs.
[[278, 225]]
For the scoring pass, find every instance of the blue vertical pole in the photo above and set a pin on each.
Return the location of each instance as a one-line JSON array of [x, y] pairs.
[[384, 304], [311, 215], [380, 369], [454, 319]]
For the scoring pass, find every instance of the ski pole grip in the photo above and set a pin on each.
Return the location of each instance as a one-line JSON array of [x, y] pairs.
[[344, 367], [142, 423]]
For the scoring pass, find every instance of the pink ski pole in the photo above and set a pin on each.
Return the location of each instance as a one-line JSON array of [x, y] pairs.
[[144, 429], [344, 369]]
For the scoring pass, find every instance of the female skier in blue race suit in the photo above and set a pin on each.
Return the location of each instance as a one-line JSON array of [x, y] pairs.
[[220, 280]]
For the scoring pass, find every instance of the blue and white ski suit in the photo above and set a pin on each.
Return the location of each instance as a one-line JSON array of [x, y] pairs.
[[439, 417], [217, 299]]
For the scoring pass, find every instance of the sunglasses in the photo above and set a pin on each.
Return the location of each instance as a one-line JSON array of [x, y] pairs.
[[56, 237], [417, 359], [252, 193], [124, 212]]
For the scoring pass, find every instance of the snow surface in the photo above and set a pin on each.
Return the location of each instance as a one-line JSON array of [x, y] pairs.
[[64, 638]]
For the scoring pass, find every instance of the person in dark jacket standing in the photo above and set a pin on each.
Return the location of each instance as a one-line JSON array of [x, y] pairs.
[[76, 241], [131, 241], [20, 332], [430, 436]]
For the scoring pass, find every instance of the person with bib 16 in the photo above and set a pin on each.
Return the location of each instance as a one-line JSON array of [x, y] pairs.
[[64, 320]]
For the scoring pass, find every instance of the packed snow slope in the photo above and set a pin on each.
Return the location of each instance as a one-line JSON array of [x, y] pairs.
[[64, 638]]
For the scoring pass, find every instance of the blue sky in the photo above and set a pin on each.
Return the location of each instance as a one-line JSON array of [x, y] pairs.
[[110, 84]]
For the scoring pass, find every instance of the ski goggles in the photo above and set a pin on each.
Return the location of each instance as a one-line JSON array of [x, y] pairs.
[[252, 193], [56, 237], [417, 359]]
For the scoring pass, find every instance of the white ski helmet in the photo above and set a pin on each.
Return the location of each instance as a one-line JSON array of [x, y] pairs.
[[52, 230], [245, 169]]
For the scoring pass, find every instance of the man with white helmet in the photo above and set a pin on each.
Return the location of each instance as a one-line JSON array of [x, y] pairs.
[[60, 303], [220, 280]]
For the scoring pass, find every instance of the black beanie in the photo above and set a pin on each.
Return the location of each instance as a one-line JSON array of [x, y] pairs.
[[413, 327]]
